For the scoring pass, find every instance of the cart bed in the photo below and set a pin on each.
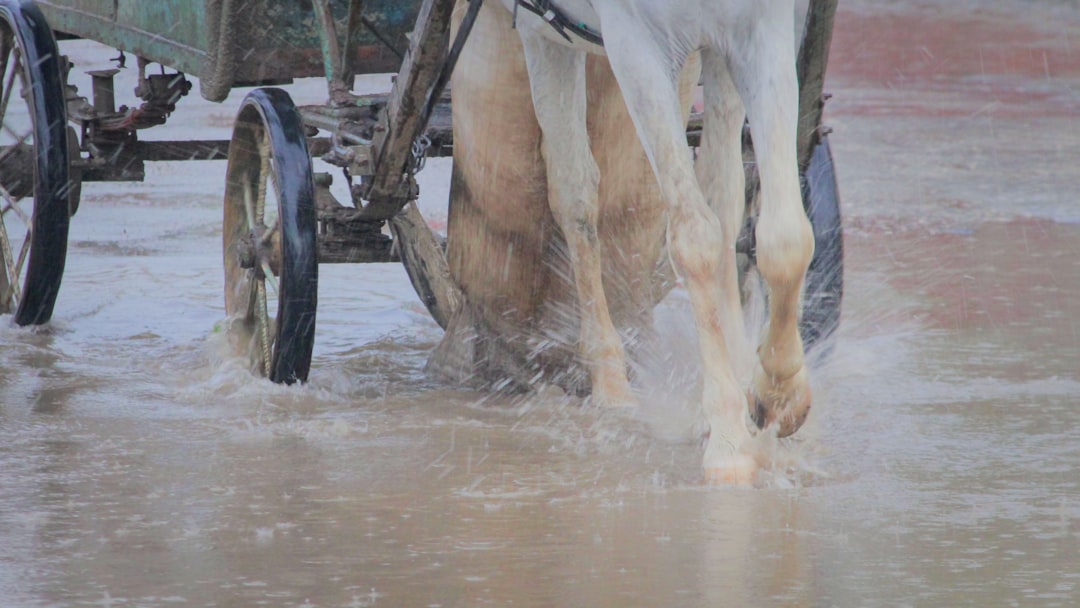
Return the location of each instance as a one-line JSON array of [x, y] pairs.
[[264, 42]]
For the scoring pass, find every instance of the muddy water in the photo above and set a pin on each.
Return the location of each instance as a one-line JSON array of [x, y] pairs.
[[141, 465]]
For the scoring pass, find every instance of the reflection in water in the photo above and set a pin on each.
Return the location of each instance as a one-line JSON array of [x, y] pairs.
[[140, 465]]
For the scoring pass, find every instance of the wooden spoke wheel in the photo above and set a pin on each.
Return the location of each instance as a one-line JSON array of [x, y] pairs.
[[270, 255], [34, 169]]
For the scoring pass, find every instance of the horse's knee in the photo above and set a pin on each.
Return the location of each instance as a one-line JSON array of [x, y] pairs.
[[697, 243], [573, 193]]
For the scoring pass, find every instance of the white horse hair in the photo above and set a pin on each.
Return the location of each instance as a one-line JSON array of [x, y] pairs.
[[748, 70]]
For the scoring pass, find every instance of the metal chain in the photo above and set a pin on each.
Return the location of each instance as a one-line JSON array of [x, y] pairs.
[[419, 153]]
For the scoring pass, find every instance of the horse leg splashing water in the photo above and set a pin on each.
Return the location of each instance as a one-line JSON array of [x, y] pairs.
[[748, 67], [517, 326]]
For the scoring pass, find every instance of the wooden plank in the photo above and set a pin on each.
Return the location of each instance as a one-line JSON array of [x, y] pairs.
[[403, 121], [180, 21], [812, 61], [97, 21], [426, 264]]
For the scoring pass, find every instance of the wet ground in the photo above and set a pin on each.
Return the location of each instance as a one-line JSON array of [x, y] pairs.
[[141, 465]]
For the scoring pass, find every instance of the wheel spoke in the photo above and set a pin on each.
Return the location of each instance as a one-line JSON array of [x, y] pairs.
[[12, 277], [249, 314], [12, 207], [270, 278], [9, 86], [249, 206], [19, 139], [9, 294], [23, 253], [269, 233], [13, 266], [5, 47], [9, 201]]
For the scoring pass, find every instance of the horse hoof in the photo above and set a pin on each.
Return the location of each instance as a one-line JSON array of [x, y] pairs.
[[614, 394], [785, 404], [736, 470], [614, 400]]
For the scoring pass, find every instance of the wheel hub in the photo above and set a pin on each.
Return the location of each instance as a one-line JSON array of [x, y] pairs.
[[256, 251]]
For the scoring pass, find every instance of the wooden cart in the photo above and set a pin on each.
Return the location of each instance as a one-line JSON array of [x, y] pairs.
[[280, 220]]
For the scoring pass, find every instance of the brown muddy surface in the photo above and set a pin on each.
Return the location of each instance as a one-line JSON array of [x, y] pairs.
[[141, 465]]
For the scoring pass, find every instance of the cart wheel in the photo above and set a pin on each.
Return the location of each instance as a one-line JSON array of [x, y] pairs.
[[34, 190], [271, 265], [825, 277]]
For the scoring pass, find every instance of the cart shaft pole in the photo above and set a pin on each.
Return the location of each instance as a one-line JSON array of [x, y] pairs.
[[813, 58]]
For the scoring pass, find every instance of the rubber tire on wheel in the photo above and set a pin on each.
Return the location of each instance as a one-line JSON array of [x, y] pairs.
[[268, 155], [22, 23], [824, 290]]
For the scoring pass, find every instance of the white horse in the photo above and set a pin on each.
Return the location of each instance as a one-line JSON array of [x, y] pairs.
[[748, 69]]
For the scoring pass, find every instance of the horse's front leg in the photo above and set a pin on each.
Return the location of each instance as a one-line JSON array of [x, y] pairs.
[[765, 77], [557, 79], [645, 68]]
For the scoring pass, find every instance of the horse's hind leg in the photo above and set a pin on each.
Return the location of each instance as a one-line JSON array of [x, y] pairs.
[[557, 79], [764, 73], [646, 71]]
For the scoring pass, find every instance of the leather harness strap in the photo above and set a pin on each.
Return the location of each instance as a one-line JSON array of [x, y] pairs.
[[547, 11]]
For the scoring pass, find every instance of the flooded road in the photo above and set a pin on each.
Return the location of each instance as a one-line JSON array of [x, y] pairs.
[[142, 465]]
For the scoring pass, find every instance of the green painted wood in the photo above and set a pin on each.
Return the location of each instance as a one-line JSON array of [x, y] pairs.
[[272, 40], [180, 21]]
